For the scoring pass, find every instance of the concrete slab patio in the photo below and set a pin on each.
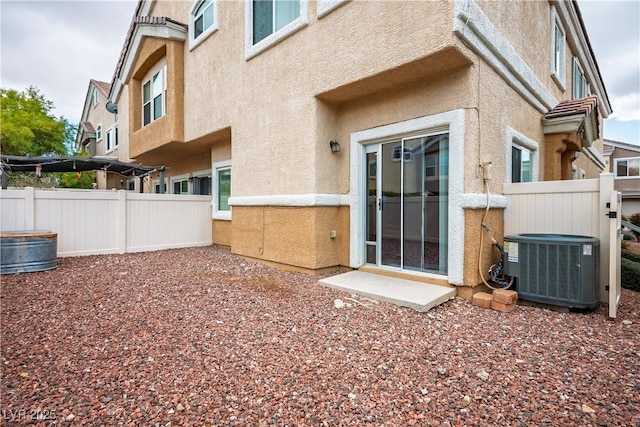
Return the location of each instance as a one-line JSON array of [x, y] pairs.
[[419, 296]]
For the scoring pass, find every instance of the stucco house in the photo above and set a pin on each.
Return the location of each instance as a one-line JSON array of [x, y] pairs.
[[98, 134], [623, 160], [366, 134]]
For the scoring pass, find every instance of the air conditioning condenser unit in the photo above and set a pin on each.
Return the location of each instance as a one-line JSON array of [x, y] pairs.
[[556, 269]]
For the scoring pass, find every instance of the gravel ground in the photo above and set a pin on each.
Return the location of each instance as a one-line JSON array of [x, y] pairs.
[[201, 337]]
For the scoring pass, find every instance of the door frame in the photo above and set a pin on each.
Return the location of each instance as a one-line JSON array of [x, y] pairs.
[[378, 149], [452, 122]]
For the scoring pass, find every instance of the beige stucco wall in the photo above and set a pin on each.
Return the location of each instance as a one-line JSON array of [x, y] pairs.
[[276, 117], [221, 233], [274, 114], [297, 236]]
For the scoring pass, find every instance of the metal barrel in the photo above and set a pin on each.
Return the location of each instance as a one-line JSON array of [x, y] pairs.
[[28, 251]]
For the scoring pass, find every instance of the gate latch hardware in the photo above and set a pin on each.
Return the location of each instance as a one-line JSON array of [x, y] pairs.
[[612, 214]]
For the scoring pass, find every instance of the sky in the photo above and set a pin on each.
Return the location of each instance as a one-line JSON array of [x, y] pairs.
[[70, 42]]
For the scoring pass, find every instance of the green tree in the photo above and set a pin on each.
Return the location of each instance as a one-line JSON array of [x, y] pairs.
[[27, 125], [83, 179]]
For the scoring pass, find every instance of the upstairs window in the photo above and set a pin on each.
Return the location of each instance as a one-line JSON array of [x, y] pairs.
[[579, 81], [95, 97], [154, 90], [112, 138], [204, 21], [99, 133], [269, 16], [628, 168], [558, 49], [431, 166]]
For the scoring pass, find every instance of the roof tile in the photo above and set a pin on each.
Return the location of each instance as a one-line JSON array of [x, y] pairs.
[[104, 87], [87, 127], [570, 107]]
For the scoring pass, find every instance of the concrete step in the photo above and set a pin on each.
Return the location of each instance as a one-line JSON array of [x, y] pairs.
[[419, 296]]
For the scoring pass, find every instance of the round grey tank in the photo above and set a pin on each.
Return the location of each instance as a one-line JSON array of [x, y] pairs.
[[28, 251]]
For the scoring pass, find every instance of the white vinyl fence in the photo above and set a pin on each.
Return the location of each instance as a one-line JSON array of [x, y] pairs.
[[90, 222], [578, 207]]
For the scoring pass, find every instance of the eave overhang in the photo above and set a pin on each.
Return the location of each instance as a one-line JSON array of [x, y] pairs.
[[144, 26]]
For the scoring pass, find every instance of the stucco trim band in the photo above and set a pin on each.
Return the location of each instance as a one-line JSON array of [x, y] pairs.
[[325, 7], [595, 156], [454, 122], [479, 201], [479, 33], [579, 45], [292, 200]]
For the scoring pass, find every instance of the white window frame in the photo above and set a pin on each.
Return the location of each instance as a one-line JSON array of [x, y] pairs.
[[95, 97], [325, 7], [518, 140], [558, 58], [179, 178], [196, 41], [251, 50], [99, 133], [160, 67], [615, 168], [112, 139], [156, 182], [129, 183], [216, 167], [578, 72]]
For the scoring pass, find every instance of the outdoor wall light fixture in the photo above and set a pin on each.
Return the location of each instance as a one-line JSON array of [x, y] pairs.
[[335, 146]]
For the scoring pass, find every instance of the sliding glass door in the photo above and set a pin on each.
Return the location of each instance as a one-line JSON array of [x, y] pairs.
[[407, 203]]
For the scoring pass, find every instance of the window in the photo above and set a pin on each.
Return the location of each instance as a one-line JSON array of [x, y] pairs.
[[270, 21], [181, 186], [522, 157], [558, 49], [154, 92], [96, 97], [396, 156], [628, 168], [156, 187], [99, 133], [112, 138], [202, 185], [431, 166], [222, 190], [270, 16], [579, 82], [131, 185], [204, 21], [521, 164]]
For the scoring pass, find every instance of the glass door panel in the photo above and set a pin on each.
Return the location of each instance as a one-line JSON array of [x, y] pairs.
[[413, 202], [391, 205], [372, 207]]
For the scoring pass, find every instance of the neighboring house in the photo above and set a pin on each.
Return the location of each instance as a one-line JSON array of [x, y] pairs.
[[623, 160], [98, 135], [360, 133]]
